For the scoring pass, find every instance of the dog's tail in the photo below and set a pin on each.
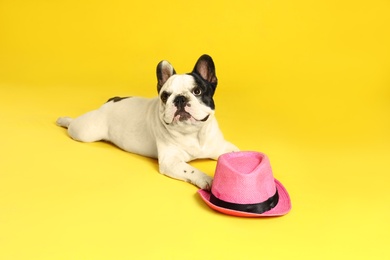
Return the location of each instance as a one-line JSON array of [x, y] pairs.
[[64, 121]]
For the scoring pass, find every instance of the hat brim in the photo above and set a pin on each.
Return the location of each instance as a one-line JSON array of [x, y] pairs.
[[282, 208]]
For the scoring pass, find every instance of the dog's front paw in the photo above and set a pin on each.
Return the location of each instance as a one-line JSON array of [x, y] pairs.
[[204, 182], [185, 172]]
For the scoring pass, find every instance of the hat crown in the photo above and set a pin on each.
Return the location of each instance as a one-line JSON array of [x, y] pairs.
[[243, 178]]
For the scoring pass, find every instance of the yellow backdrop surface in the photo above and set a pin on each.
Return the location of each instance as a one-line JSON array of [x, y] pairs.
[[306, 82]]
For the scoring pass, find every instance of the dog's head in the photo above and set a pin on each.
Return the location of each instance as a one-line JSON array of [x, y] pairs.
[[187, 99]]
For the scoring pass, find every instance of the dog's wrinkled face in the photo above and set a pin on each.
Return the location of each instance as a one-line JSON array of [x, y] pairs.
[[186, 99]]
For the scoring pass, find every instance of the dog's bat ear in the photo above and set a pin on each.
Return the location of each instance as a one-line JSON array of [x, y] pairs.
[[205, 68], [164, 71]]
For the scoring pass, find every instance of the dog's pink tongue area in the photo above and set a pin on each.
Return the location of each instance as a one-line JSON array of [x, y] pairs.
[[182, 116]]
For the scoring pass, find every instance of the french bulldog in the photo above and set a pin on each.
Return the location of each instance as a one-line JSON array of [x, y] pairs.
[[176, 127]]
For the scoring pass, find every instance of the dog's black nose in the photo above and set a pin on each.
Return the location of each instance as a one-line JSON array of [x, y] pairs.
[[180, 101]]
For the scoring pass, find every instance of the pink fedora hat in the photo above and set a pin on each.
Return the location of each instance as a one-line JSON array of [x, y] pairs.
[[244, 186]]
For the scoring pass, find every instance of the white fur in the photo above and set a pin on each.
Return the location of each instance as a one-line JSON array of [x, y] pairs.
[[149, 127]]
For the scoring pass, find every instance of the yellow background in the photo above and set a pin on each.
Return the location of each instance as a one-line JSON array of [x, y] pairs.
[[306, 82]]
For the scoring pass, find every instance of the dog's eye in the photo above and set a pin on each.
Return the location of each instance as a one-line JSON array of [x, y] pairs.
[[197, 92], [164, 97]]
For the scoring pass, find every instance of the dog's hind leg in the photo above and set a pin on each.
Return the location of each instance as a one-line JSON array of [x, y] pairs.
[[90, 127], [64, 121]]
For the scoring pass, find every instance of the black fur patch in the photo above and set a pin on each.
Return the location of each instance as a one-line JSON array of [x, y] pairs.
[[208, 90], [164, 96], [116, 99]]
